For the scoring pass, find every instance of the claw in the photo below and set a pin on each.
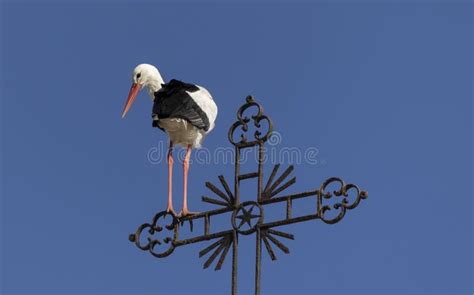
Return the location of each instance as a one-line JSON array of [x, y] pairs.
[[185, 212], [181, 223]]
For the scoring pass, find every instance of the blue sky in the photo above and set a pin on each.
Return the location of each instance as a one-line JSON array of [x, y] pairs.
[[382, 91]]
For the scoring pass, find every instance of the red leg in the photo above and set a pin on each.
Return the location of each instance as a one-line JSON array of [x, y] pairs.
[[185, 210], [169, 209]]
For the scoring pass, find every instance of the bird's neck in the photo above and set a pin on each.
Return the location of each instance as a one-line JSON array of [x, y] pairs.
[[154, 84]]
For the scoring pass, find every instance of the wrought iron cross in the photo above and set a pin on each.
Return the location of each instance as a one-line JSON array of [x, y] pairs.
[[247, 217]]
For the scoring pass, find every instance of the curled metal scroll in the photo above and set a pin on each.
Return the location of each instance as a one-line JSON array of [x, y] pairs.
[[243, 122], [343, 205], [150, 229]]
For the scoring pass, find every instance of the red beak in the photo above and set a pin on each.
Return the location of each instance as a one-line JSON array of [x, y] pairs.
[[131, 98]]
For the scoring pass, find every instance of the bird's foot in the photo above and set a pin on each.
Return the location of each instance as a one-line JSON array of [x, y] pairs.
[[171, 211], [185, 212]]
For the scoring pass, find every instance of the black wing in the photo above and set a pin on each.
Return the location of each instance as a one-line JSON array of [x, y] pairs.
[[174, 101]]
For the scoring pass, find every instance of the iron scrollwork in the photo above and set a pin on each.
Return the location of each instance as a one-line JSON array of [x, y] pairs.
[[343, 205], [154, 228], [243, 122]]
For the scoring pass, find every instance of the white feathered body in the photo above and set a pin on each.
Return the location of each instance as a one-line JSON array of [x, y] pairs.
[[182, 132]]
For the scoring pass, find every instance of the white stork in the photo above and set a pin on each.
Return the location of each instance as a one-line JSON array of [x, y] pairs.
[[186, 112]]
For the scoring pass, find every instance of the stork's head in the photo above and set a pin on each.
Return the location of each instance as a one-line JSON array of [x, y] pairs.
[[143, 75]]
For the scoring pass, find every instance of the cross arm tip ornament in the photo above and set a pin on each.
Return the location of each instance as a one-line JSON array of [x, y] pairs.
[[343, 191]]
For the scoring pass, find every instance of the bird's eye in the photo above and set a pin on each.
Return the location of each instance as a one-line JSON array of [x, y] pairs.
[[139, 75]]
